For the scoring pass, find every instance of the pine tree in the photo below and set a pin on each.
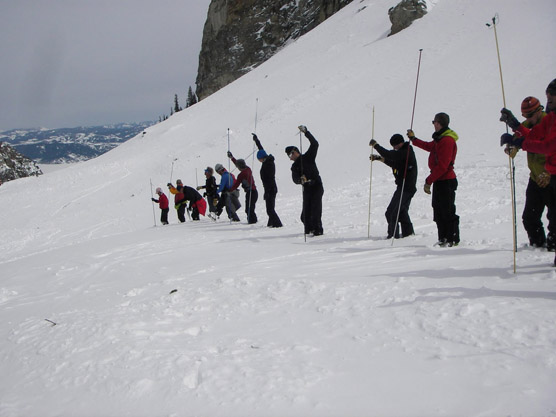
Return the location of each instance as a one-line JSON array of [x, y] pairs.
[[177, 107], [191, 98]]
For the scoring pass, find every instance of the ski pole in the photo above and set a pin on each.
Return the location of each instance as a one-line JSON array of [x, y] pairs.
[[371, 176], [251, 180], [510, 159], [228, 149], [408, 149], [304, 212], [152, 196], [172, 170]]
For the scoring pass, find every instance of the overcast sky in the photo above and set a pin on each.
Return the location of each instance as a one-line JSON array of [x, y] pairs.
[[67, 63]]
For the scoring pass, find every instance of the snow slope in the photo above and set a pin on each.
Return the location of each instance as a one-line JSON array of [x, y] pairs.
[[263, 323]]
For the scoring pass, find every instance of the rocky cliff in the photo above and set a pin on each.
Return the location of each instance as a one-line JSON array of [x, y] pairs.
[[14, 165], [241, 34]]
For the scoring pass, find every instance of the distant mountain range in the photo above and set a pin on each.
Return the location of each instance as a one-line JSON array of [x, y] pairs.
[[68, 145]]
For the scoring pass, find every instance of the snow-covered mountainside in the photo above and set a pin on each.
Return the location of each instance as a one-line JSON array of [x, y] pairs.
[[263, 323], [69, 145]]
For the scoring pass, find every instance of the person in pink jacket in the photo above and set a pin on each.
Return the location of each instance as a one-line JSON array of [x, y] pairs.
[[442, 178], [163, 204]]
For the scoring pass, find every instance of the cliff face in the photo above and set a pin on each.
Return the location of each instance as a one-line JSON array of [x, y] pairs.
[[241, 34], [14, 165]]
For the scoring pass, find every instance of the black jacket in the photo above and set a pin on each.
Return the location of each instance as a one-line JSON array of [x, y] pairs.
[[268, 170], [397, 161], [306, 164]]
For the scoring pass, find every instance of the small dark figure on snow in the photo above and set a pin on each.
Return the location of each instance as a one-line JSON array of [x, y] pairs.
[[268, 177], [404, 167], [163, 204], [305, 172], [247, 182]]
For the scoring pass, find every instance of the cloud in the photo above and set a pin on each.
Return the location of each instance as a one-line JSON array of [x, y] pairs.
[[83, 62]]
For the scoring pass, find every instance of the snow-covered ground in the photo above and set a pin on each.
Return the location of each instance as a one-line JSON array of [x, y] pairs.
[[104, 314]]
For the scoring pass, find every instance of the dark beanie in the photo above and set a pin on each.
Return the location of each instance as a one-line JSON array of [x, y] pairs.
[[443, 119], [396, 139], [289, 149], [240, 163], [551, 89]]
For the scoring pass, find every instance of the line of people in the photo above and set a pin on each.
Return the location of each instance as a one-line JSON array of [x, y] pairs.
[[442, 182], [225, 195]]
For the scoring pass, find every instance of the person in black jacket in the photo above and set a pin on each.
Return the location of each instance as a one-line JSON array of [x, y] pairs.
[[404, 167], [268, 177], [211, 190], [305, 172]]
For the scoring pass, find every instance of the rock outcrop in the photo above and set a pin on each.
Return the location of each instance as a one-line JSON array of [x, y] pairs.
[[405, 13], [14, 165], [241, 34]]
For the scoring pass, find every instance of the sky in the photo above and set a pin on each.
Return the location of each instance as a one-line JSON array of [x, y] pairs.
[[104, 314], [68, 63]]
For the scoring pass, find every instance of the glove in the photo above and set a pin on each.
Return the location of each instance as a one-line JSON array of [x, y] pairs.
[[374, 157], [254, 136], [508, 118], [372, 142], [230, 155], [543, 179], [518, 142], [154, 200], [215, 201], [199, 187], [506, 139], [511, 151], [305, 181], [169, 185], [204, 194], [427, 188], [302, 128], [410, 134]]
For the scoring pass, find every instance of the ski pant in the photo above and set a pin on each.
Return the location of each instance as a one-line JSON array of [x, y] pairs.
[[536, 199], [251, 197], [181, 211], [211, 206], [199, 206], [270, 201], [399, 202], [164, 215], [231, 201], [444, 210], [311, 216]]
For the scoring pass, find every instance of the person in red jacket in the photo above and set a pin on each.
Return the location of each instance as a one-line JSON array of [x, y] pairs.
[[163, 204], [541, 138], [442, 178]]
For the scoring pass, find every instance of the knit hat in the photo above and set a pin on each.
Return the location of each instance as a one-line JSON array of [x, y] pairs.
[[240, 163], [289, 149], [261, 154], [179, 182], [158, 190], [443, 119], [218, 167], [529, 106], [551, 89], [396, 139], [209, 169]]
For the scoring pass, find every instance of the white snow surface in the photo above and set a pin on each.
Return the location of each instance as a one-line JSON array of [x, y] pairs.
[[262, 322]]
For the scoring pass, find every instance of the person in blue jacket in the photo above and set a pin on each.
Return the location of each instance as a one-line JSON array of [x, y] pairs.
[[228, 198]]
